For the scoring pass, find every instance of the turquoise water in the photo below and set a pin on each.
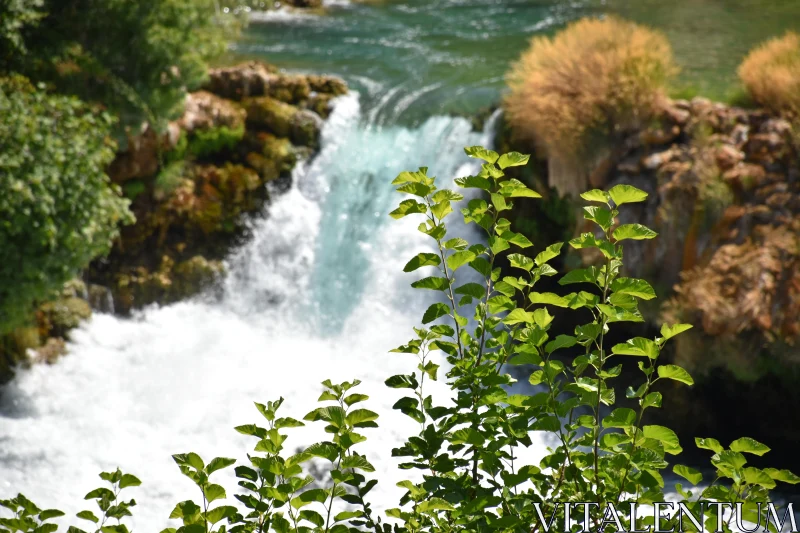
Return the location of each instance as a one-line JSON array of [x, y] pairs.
[[415, 58]]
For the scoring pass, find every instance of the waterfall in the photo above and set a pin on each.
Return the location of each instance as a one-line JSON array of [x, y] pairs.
[[318, 292]]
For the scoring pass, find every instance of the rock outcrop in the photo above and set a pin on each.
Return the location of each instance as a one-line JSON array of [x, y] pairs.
[[192, 186]]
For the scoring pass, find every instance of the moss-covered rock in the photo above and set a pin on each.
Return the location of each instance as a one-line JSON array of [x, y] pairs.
[[62, 315], [268, 114], [171, 282], [305, 129]]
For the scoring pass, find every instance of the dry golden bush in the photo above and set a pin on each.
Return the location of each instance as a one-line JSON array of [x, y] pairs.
[[771, 74], [595, 80]]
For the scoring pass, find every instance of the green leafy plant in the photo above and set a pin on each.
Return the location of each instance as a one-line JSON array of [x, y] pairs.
[[58, 208], [465, 453]]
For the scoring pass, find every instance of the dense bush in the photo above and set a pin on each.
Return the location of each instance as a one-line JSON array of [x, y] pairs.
[[57, 208], [466, 473], [136, 57], [15, 16], [587, 86], [771, 74]]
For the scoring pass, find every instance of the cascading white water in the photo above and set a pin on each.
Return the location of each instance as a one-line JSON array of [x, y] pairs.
[[317, 293]]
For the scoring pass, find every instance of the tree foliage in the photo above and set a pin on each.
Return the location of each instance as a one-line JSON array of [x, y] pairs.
[[58, 209], [465, 473], [136, 57]]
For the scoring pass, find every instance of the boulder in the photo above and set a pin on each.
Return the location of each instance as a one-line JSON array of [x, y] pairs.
[[205, 111], [305, 129]]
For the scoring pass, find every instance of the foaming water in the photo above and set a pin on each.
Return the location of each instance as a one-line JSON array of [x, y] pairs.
[[317, 293]]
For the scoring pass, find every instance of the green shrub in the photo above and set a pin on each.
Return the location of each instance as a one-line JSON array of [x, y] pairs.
[[136, 57], [465, 449], [771, 74], [58, 209]]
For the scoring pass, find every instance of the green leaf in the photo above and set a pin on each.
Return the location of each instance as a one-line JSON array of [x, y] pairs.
[[667, 332], [638, 346], [309, 497], [549, 253], [709, 444], [596, 195], [88, 515], [633, 231], [512, 159], [433, 283], [417, 189], [459, 259], [782, 475], [479, 152], [435, 504], [665, 436], [653, 399], [446, 194], [456, 244], [757, 476], [599, 215], [359, 417], [219, 463], [748, 445], [435, 311], [219, 513], [474, 182], [548, 298], [421, 260], [401, 381], [213, 492], [620, 418], [626, 194], [516, 189], [520, 261], [675, 372], [562, 341], [47, 514], [313, 517], [408, 207], [517, 316], [358, 462], [129, 480], [467, 436], [475, 290], [689, 474], [634, 287], [580, 275]]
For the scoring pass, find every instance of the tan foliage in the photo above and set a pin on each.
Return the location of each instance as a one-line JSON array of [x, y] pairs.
[[771, 74], [594, 81]]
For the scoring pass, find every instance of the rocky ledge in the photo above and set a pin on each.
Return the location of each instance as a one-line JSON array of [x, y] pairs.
[[191, 188]]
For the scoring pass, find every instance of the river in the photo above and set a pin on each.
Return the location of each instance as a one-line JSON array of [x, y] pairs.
[[318, 292]]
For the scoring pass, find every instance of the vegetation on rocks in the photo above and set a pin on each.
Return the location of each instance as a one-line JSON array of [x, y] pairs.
[[192, 186], [577, 94]]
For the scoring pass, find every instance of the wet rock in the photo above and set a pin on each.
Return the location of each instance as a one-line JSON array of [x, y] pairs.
[[205, 111], [241, 81], [660, 136], [327, 84], [728, 157], [60, 316], [140, 159], [274, 116], [305, 129]]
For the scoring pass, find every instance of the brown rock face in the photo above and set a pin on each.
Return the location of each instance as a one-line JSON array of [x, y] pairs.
[[140, 158], [205, 111]]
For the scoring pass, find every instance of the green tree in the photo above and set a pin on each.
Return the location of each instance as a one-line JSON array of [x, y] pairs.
[[138, 58], [58, 209]]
